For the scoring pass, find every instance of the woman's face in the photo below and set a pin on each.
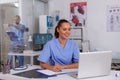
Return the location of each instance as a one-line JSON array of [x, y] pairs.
[[64, 30]]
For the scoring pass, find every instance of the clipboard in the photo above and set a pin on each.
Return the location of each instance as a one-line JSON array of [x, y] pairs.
[[33, 74], [12, 35]]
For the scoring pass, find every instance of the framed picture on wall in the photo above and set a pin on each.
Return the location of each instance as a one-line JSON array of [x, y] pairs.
[[78, 14], [113, 18]]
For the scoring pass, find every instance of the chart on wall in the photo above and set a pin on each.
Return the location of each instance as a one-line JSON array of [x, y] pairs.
[[113, 18], [78, 14]]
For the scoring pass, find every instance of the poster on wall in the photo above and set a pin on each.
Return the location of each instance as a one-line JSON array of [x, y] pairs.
[[78, 14], [113, 18]]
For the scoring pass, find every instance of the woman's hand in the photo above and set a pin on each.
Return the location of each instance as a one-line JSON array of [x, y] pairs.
[[57, 68]]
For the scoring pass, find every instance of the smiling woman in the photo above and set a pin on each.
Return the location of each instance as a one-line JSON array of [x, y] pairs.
[[61, 52]]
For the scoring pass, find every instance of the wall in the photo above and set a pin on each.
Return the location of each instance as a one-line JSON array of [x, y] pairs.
[[7, 13], [0, 37], [97, 26], [4, 39], [30, 11], [26, 13], [39, 9], [8, 1], [62, 6], [96, 22]]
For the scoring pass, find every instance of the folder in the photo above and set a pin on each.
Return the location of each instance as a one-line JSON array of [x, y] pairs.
[[33, 74]]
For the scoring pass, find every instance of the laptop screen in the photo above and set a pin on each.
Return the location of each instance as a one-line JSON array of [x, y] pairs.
[[93, 64]]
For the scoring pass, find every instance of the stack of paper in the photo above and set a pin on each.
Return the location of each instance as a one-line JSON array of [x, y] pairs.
[[50, 73]]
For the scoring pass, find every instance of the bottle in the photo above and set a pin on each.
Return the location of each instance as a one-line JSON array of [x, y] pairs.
[[117, 76], [57, 15]]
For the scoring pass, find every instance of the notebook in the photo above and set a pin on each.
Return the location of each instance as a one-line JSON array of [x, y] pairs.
[[93, 64]]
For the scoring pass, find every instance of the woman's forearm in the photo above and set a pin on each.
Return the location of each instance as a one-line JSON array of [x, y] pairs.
[[52, 68], [58, 67], [45, 66], [74, 65]]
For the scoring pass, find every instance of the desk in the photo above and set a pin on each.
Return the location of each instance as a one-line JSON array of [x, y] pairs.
[[25, 53], [58, 77]]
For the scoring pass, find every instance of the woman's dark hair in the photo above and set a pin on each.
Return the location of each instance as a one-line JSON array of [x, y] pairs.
[[58, 26]]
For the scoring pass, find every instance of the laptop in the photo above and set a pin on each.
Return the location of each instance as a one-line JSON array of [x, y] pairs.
[[93, 64]]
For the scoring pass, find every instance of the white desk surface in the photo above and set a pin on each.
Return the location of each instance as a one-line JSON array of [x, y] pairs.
[[29, 53], [58, 77], [25, 53]]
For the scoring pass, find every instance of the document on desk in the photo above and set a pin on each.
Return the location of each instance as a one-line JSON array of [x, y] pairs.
[[51, 73]]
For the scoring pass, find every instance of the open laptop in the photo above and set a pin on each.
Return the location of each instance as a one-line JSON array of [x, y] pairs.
[[93, 64]]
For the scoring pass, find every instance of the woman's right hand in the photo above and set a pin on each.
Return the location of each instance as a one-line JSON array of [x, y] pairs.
[[57, 68]]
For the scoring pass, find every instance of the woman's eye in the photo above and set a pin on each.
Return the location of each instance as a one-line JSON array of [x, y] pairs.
[[64, 29]]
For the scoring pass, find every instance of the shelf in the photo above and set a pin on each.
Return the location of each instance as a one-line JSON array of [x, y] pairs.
[[75, 38], [77, 34], [76, 27]]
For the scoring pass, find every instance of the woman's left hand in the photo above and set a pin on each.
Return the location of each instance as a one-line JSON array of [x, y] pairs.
[[58, 67]]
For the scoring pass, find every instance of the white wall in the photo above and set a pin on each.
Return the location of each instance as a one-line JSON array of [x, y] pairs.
[[9, 11], [62, 6], [39, 9], [96, 22], [30, 11], [1, 21], [26, 13], [8, 1]]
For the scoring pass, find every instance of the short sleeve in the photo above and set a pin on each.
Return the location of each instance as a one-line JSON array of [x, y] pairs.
[[23, 27], [76, 54], [45, 54]]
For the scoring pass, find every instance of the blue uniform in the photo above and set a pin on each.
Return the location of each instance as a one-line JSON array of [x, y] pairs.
[[19, 34], [18, 39], [53, 53]]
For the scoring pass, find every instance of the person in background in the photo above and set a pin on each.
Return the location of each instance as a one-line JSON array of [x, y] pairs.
[[61, 52], [17, 40]]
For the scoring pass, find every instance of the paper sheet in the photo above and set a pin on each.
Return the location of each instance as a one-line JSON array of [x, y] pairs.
[[7, 28], [50, 73]]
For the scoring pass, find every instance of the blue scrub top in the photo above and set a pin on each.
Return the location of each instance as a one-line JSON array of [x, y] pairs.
[[19, 35], [53, 53]]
